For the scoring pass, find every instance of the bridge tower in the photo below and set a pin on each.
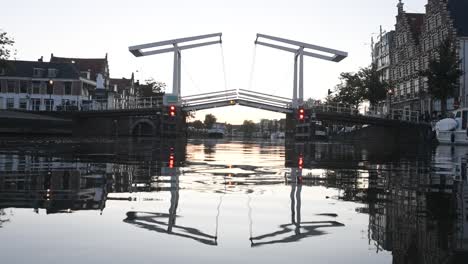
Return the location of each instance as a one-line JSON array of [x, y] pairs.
[[303, 49], [161, 47]]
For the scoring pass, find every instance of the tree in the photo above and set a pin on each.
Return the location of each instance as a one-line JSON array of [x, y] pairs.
[[248, 128], [151, 88], [210, 120], [350, 90], [354, 88], [198, 124], [6, 44], [443, 74], [375, 89]]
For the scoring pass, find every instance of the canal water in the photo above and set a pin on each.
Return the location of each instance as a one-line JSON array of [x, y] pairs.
[[222, 201]]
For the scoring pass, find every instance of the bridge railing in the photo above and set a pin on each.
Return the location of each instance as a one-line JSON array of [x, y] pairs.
[[265, 99], [376, 112], [122, 104]]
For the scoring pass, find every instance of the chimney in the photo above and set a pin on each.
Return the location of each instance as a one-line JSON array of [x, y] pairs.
[[41, 59]]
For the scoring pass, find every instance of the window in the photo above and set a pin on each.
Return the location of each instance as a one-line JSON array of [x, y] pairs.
[[38, 72], [68, 88], [23, 103], [11, 86], [23, 87], [36, 104], [52, 73], [10, 103], [49, 104], [36, 87], [2, 71]]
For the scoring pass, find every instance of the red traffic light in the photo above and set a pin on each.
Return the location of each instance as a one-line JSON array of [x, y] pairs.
[[301, 113], [172, 110]]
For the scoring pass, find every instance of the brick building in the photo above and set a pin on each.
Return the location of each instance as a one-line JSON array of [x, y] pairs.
[[417, 37], [404, 72]]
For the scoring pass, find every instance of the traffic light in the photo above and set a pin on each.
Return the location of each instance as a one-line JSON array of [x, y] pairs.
[[301, 114], [50, 87], [172, 110], [171, 161]]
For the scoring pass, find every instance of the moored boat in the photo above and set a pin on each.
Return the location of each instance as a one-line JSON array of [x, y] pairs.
[[453, 130]]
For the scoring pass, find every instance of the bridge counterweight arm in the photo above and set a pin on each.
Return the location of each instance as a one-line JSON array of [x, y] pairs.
[[138, 48], [159, 47]]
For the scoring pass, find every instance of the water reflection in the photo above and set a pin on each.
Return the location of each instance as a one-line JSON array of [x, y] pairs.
[[415, 200], [418, 207], [297, 229]]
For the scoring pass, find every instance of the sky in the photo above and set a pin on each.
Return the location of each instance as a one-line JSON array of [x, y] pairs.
[[90, 29]]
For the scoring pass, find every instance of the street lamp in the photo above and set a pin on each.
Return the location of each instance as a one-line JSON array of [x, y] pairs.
[[389, 95], [50, 91]]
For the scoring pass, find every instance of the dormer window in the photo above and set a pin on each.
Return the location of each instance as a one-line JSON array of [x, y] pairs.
[[52, 73], [86, 74], [38, 72]]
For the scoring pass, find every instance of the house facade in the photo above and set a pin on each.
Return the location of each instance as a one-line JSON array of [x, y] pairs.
[[43, 86], [417, 38], [404, 70], [382, 53], [96, 69], [125, 91]]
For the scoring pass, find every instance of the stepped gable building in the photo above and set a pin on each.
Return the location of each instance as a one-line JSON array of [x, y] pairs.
[[43, 86], [417, 37], [404, 72], [445, 19]]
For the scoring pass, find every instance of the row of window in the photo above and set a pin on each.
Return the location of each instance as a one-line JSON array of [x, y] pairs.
[[34, 87], [407, 69], [35, 104], [39, 73]]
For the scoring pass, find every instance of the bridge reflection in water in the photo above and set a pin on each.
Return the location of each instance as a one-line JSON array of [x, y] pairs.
[[415, 199]]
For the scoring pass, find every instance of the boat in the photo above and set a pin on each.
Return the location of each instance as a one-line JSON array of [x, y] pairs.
[[277, 135], [217, 131], [453, 130]]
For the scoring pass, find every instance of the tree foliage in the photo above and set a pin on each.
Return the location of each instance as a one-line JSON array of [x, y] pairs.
[[349, 91], [6, 45], [248, 128], [374, 89], [354, 88], [198, 124], [151, 88], [443, 74], [210, 120]]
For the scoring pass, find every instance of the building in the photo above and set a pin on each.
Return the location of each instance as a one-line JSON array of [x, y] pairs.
[[126, 91], [404, 70], [382, 53], [43, 86], [417, 37], [97, 70], [445, 19]]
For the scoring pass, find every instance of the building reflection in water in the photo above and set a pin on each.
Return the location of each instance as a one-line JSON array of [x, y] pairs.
[[416, 199], [418, 208]]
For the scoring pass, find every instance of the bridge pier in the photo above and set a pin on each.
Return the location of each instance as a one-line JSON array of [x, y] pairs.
[[130, 123]]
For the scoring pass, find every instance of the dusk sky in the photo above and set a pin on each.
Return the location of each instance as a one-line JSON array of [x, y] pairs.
[[88, 28]]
